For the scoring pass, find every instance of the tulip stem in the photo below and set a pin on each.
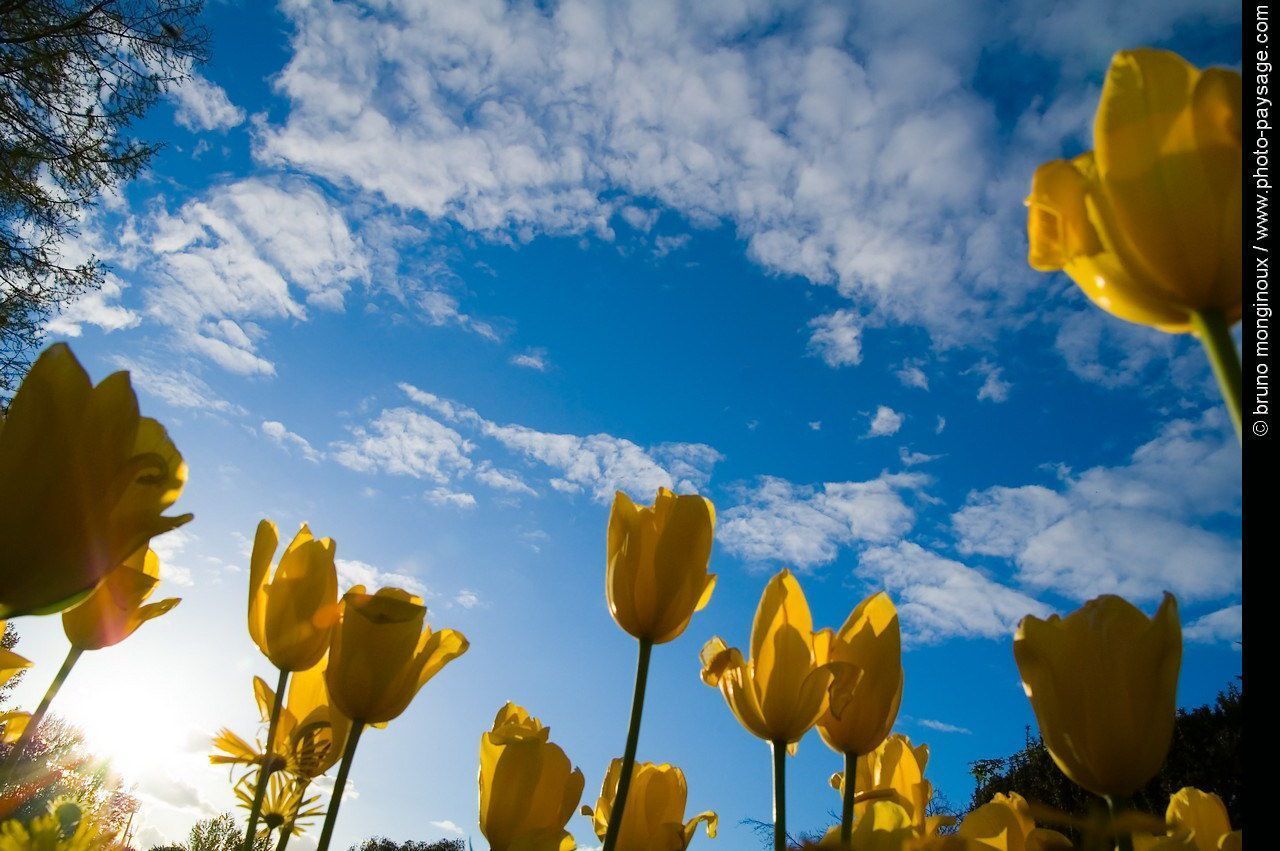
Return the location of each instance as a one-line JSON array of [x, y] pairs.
[[1124, 841], [33, 723], [846, 799], [264, 773], [779, 795], [629, 754], [1214, 332], [340, 784]]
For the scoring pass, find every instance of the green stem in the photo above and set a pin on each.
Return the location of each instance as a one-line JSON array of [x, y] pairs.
[[629, 754], [264, 773], [1214, 332], [20, 747], [286, 830], [339, 784], [1124, 841], [779, 795], [846, 800]]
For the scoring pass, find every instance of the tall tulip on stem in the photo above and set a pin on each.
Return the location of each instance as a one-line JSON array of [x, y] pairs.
[[383, 652], [291, 618], [656, 579], [789, 682]]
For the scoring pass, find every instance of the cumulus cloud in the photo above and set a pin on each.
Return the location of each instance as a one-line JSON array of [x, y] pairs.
[[1225, 624], [243, 253], [289, 441], [175, 386], [884, 422], [1135, 529], [353, 572], [837, 338], [405, 442], [911, 375], [940, 598], [847, 145], [100, 307], [200, 104], [599, 464], [806, 526]]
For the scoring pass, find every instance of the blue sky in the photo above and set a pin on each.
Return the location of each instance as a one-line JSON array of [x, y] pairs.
[[438, 279]]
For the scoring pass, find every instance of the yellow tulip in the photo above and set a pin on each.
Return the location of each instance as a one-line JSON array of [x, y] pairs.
[[894, 771], [383, 653], [884, 826], [528, 787], [654, 819], [870, 641], [657, 563], [790, 680], [292, 614], [1200, 819], [114, 610], [15, 724], [1005, 823], [1149, 224], [1103, 683], [84, 481]]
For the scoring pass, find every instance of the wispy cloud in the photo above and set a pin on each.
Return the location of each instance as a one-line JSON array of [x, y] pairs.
[[289, 441]]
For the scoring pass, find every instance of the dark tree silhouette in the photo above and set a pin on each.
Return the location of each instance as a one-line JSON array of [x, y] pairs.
[[74, 76], [381, 843], [1206, 753]]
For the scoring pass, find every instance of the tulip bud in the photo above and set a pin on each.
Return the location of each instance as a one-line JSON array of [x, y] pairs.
[[114, 610], [292, 613], [657, 563], [83, 480], [870, 641], [528, 788], [1103, 683], [790, 680], [654, 819], [383, 653]]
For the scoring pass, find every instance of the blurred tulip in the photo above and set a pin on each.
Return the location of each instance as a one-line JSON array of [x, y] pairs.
[[11, 664], [114, 610], [64, 826], [1199, 820], [655, 820], [788, 683], [15, 724], [1103, 683], [292, 613], [383, 653], [1005, 823], [528, 787], [657, 563], [84, 481], [1148, 224], [885, 826]]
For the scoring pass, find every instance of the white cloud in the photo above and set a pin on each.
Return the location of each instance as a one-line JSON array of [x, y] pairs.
[[532, 359], [598, 463], [352, 572], [203, 105], [994, 387], [884, 422], [169, 548], [455, 499], [910, 458], [804, 527], [449, 827], [98, 307], [467, 598], [405, 442], [1106, 351], [943, 727], [289, 441], [245, 252], [940, 598], [1135, 529], [837, 338], [176, 386], [503, 480], [440, 309], [1226, 624], [911, 375]]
